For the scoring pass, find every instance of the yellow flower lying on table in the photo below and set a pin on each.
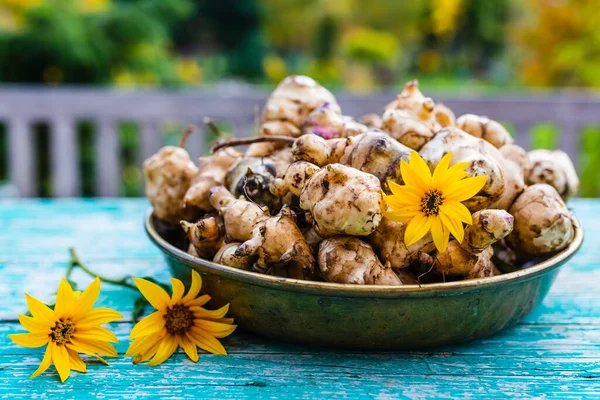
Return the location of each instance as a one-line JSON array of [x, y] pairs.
[[72, 327], [180, 321], [432, 203]]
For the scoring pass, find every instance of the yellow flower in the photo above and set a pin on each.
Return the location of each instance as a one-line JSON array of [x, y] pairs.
[[179, 321], [432, 203], [72, 327]]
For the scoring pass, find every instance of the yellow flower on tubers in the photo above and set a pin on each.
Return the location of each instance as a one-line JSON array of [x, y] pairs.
[[180, 321], [72, 327], [432, 203]]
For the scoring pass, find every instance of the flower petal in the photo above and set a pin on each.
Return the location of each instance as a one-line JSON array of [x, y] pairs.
[[420, 167], [206, 341], [456, 210], [165, 350], [440, 235], [77, 363], [216, 329], [95, 333], [416, 229], [92, 347], [178, 290], [61, 361], [195, 287], [39, 310], [439, 174], [98, 316], [189, 347], [153, 293], [87, 299], [31, 340], [200, 312], [149, 325], [142, 344], [46, 362], [65, 300], [405, 215], [412, 179], [453, 225], [405, 192], [198, 301], [148, 352], [34, 325], [465, 189], [395, 203]]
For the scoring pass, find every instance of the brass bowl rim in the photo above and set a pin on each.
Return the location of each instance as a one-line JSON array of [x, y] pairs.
[[374, 291]]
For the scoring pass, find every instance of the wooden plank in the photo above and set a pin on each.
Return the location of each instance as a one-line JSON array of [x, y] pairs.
[[290, 371], [64, 157], [150, 139], [21, 166], [108, 161]]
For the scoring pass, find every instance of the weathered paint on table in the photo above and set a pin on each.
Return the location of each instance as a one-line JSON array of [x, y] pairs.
[[554, 353]]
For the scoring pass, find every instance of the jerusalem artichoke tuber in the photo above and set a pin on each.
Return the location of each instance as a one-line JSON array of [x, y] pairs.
[[488, 227], [211, 172], [343, 200], [169, 174], [484, 128], [344, 259], [240, 216], [555, 168], [543, 224], [278, 240], [291, 102], [205, 235], [388, 242], [227, 256]]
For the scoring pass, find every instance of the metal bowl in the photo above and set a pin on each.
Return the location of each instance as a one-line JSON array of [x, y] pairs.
[[368, 316]]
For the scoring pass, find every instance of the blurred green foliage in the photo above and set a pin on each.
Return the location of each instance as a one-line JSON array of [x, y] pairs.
[[64, 42]]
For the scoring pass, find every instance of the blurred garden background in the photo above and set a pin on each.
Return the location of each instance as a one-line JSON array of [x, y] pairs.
[[484, 47]]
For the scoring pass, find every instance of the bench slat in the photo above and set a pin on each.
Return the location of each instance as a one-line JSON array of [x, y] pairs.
[[20, 153], [64, 157], [108, 163]]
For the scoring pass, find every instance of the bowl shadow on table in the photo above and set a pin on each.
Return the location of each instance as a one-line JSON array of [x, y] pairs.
[[381, 318]]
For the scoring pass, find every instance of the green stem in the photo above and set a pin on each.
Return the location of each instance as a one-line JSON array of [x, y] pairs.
[[75, 261]]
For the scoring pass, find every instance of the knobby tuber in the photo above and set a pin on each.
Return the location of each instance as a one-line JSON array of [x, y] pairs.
[[343, 200], [205, 235], [239, 215], [555, 168], [327, 122], [169, 174], [543, 224], [388, 241], [345, 259], [278, 240], [488, 227], [290, 103], [484, 128], [211, 172], [227, 256]]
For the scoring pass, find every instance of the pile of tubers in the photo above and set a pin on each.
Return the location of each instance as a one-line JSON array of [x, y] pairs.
[[305, 200]]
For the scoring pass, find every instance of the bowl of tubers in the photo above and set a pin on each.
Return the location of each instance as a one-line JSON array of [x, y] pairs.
[[295, 232]]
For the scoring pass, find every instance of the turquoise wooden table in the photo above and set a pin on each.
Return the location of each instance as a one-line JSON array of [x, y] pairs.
[[553, 353]]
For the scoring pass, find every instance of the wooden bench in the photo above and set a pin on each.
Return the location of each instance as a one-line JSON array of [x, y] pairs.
[[62, 109]]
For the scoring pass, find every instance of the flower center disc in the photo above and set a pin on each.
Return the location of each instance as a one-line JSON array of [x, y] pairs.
[[62, 331], [431, 202], [178, 319]]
